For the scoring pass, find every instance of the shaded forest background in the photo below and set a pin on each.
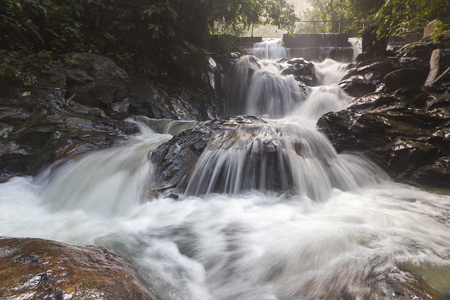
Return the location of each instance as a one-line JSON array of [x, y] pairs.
[[149, 35]]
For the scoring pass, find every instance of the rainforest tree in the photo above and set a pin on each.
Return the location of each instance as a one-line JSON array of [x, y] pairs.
[[132, 32]]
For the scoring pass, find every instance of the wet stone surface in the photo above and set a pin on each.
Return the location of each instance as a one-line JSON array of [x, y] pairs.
[[40, 269]]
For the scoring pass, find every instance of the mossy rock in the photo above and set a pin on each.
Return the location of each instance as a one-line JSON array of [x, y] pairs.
[[407, 77]]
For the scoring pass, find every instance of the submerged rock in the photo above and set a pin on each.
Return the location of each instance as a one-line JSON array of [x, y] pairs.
[[41, 269]]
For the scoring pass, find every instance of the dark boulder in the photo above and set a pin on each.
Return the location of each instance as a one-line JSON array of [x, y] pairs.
[[94, 80], [412, 78], [251, 140], [421, 50], [372, 46], [36, 132], [408, 134], [369, 76], [341, 54], [42, 269], [182, 103], [303, 71]]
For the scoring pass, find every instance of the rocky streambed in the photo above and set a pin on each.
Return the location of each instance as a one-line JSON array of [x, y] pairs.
[[82, 104]]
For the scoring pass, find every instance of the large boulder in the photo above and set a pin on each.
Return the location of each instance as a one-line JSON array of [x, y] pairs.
[[407, 133], [372, 46], [94, 80], [341, 54], [42, 269], [420, 50], [201, 98], [36, 132], [182, 103], [249, 146], [303, 71], [412, 78], [369, 76]]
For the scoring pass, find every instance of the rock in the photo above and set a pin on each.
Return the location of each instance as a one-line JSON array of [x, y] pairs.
[[175, 161], [368, 76], [379, 284], [405, 131], [183, 103], [303, 71], [406, 77], [407, 134], [95, 80], [341, 54], [434, 67], [41, 269], [120, 110], [401, 40], [37, 132], [371, 45], [421, 50], [429, 29]]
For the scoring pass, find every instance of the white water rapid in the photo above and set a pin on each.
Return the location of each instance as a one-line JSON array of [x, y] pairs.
[[251, 244]]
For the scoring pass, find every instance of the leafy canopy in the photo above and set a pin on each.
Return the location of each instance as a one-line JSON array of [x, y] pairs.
[[392, 16], [132, 32]]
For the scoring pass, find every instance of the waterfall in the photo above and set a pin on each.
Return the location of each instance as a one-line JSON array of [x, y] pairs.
[[356, 45], [304, 222], [269, 49]]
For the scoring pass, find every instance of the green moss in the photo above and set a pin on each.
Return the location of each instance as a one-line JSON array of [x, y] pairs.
[[412, 78]]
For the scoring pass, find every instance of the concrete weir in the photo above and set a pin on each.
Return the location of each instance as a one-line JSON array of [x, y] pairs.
[[319, 46]]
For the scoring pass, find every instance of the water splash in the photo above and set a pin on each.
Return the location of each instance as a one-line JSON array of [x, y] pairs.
[[105, 182], [356, 45]]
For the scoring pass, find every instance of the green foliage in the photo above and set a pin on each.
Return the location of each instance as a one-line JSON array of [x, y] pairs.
[[401, 16], [349, 12], [23, 69], [137, 34], [35, 25], [393, 17], [440, 33]]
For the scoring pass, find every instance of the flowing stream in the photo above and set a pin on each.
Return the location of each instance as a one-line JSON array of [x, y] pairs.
[[345, 226]]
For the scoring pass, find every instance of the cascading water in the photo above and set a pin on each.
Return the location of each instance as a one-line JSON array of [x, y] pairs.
[[247, 243], [269, 49]]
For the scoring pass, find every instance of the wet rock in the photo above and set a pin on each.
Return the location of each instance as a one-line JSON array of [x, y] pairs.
[[385, 283], [176, 159], [368, 76], [420, 50], [341, 54], [41, 269], [303, 71], [37, 132], [152, 100], [406, 77], [94, 80], [372, 46], [406, 133]]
